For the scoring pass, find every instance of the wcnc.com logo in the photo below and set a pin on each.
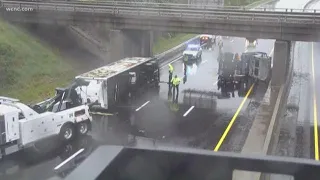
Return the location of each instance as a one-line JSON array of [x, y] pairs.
[[17, 9]]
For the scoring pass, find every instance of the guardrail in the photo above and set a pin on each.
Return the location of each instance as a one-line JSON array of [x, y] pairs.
[[178, 6], [116, 10]]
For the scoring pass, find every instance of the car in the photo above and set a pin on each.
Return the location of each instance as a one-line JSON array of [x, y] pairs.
[[192, 52]]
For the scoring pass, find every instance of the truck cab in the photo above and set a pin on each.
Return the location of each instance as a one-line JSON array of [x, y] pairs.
[[256, 65]]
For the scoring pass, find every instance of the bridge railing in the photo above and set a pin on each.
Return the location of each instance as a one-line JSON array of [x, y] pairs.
[[175, 6], [114, 162], [156, 12]]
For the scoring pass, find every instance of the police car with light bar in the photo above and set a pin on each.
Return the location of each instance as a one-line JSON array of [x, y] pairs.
[[192, 52]]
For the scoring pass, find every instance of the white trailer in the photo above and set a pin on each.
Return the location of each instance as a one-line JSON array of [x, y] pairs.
[[108, 85], [21, 126]]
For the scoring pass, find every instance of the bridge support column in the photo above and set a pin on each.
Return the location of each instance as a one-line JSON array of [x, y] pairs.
[[128, 43], [281, 59]]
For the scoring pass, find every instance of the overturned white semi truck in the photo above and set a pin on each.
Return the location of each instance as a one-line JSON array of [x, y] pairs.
[[104, 88]]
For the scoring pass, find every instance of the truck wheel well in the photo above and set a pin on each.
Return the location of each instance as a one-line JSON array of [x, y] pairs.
[[88, 122], [65, 125]]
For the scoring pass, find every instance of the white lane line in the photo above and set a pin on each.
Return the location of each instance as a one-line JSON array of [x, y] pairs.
[[186, 113], [171, 62], [67, 160], [232, 40], [142, 105]]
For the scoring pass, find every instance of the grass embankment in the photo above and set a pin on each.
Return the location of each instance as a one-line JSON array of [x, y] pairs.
[[164, 44], [29, 70]]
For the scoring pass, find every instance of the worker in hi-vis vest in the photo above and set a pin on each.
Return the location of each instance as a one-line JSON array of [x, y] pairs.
[[175, 82], [170, 72]]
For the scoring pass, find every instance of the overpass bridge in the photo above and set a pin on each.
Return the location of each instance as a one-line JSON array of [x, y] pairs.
[[134, 23], [290, 25]]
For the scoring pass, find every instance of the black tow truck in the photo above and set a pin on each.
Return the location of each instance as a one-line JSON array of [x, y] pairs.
[[237, 73]]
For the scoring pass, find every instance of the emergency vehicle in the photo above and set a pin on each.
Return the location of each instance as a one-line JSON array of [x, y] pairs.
[[192, 52], [21, 126], [108, 86], [206, 41]]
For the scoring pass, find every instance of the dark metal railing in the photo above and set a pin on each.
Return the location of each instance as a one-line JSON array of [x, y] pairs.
[[117, 163]]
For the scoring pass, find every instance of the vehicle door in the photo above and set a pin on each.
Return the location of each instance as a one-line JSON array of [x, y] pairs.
[[11, 126]]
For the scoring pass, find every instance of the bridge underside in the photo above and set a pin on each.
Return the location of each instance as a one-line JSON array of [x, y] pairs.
[[128, 43], [249, 29]]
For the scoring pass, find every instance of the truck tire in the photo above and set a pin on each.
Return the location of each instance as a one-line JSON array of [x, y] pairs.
[[67, 132], [83, 127]]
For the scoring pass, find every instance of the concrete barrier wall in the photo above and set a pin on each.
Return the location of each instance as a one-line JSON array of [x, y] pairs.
[[263, 135], [271, 141]]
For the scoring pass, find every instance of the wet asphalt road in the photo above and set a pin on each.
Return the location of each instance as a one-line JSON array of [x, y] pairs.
[[160, 123], [297, 133]]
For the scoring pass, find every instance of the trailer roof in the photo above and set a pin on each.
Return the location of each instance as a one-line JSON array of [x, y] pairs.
[[114, 68]]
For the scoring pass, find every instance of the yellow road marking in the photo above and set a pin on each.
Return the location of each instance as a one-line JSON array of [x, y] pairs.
[[232, 120], [315, 118]]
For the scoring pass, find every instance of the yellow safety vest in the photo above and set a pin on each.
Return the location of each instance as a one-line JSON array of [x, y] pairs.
[[175, 81], [170, 68]]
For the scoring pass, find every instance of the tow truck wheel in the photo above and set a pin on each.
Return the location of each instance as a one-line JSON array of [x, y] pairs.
[[67, 132], [83, 128]]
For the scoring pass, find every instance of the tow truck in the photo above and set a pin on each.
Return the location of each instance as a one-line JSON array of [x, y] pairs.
[[21, 126], [107, 87]]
